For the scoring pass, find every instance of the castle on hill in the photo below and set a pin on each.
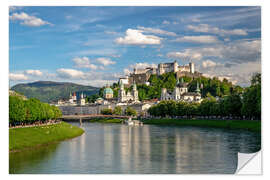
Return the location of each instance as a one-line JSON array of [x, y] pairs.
[[141, 76]]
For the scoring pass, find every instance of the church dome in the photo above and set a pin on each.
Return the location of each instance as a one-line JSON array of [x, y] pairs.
[[108, 90]]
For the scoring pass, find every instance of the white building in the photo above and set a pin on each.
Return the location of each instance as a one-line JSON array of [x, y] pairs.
[[73, 98], [123, 80], [181, 93], [128, 97], [82, 100], [174, 67]]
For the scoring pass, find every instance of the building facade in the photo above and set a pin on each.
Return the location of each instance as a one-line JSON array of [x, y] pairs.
[[141, 76], [108, 93], [129, 96], [180, 93]]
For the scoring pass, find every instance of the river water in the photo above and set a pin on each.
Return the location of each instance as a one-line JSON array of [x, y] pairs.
[[118, 148]]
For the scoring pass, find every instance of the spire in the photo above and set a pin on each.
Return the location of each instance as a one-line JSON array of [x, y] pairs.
[[197, 89], [82, 95], [182, 80], [121, 85], [177, 81], [134, 86]]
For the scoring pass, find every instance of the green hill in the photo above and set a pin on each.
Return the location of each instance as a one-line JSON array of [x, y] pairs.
[[48, 91]]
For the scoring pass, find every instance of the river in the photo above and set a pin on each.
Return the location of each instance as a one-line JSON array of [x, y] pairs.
[[117, 148]]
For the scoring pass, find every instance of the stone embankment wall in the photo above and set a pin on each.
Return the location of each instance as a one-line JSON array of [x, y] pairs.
[[96, 109]]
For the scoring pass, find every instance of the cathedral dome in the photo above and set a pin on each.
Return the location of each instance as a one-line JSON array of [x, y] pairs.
[[108, 91]]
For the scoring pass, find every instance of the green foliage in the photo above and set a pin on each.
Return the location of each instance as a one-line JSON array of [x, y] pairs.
[[17, 110], [229, 105], [23, 138], [130, 111], [30, 111], [106, 111], [92, 98], [47, 91], [117, 110]]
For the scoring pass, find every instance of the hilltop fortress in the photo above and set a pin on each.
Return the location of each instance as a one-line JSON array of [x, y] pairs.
[[141, 76]]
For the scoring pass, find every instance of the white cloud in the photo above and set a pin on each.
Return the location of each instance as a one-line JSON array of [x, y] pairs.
[[14, 8], [83, 62], [166, 22], [142, 65], [237, 73], [208, 63], [17, 77], [187, 54], [127, 71], [195, 19], [135, 37], [33, 72], [198, 39], [235, 52], [105, 61], [28, 20], [111, 32], [215, 30], [156, 31], [70, 73], [138, 66]]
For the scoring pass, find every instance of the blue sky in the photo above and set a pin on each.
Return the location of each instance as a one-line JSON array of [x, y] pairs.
[[97, 45]]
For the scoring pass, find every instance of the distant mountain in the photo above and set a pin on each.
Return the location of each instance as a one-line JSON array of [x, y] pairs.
[[48, 91]]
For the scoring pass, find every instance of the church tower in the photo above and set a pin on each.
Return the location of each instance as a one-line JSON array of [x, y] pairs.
[[121, 93], [198, 89], [135, 93], [82, 100]]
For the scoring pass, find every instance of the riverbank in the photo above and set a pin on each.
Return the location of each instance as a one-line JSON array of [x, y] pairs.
[[104, 120], [229, 124], [30, 137]]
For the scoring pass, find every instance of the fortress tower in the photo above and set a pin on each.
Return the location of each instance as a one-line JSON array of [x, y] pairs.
[[192, 67]]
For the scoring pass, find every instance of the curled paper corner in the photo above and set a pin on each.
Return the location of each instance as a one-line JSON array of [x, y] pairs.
[[249, 163]]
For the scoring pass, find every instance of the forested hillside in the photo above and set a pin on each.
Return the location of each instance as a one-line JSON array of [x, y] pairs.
[[209, 86], [48, 91]]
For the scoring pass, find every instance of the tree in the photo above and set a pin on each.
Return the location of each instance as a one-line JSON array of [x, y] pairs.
[[252, 98], [232, 105], [130, 111], [117, 110], [32, 110], [17, 110], [107, 111]]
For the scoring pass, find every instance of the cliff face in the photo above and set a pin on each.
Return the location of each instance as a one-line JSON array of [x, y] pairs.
[[48, 91]]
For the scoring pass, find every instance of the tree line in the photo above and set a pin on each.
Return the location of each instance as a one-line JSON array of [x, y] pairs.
[[129, 111], [30, 111], [245, 105]]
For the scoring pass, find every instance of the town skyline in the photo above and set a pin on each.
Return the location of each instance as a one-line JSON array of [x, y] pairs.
[[97, 45]]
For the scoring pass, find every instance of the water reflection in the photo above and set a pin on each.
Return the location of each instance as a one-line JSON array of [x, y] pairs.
[[117, 148]]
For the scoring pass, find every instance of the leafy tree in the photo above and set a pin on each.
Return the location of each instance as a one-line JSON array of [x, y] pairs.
[[107, 111], [117, 110], [130, 111], [17, 110], [232, 105]]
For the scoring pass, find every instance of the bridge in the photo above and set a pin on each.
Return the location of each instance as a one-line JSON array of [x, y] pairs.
[[82, 117]]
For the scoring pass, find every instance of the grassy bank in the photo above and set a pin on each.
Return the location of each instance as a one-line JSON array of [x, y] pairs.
[[230, 124], [104, 120], [29, 137]]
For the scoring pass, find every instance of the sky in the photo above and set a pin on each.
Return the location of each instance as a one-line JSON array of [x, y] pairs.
[[97, 45]]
